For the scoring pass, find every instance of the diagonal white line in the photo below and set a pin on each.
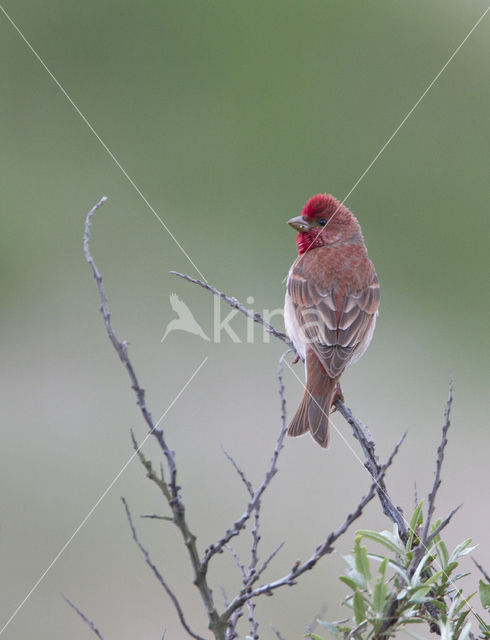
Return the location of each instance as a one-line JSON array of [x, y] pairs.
[[362, 464], [103, 495], [428, 88], [111, 154], [348, 445]]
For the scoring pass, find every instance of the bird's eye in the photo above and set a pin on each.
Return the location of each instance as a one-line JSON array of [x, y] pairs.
[[322, 222]]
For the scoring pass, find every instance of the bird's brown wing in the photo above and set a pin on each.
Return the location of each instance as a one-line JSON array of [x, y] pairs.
[[335, 307]]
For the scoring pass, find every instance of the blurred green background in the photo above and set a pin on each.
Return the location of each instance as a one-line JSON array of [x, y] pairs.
[[228, 116]]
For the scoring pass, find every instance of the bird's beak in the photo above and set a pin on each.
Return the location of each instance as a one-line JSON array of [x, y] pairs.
[[300, 224]]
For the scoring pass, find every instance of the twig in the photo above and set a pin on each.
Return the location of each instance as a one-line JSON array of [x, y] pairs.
[[365, 439], [276, 631], [441, 526], [154, 516], [239, 524], [158, 575], [240, 472], [484, 573], [236, 304], [170, 490], [440, 457], [325, 548], [88, 622]]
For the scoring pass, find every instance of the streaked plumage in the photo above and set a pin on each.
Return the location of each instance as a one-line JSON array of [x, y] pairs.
[[332, 301]]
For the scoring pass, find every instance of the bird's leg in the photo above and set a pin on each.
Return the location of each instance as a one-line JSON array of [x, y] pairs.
[[296, 359], [338, 395]]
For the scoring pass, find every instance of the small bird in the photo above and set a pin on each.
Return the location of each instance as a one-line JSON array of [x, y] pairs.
[[185, 321], [332, 301]]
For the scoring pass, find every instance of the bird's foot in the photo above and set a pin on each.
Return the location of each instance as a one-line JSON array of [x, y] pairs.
[[296, 359], [338, 395]]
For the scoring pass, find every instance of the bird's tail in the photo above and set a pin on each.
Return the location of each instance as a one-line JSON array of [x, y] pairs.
[[315, 405]]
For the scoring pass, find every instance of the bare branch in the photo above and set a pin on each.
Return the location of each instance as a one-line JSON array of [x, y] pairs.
[[171, 490], [363, 436], [440, 458], [154, 516], [266, 563], [276, 631], [240, 472], [236, 304], [483, 572], [239, 524], [122, 351], [441, 526], [158, 575], [325, 548], [88, 622]]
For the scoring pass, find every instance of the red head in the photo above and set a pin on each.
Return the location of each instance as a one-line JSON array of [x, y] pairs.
[[323, 220]]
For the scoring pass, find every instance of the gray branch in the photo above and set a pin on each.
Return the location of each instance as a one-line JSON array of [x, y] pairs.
[[87, 621], [482, 570], [324, 549], [171, 490], [158, 575], [431, 503]]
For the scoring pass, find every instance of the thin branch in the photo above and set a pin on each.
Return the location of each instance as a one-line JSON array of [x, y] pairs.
[[87, 621], [440, 457], [239, 524], [484, 573], [154, 516], [158, 575], [325, 548], [363, 436], [236, 304], [278, 634], [240, 472], [170, 490], [266, 563], [441, 526]]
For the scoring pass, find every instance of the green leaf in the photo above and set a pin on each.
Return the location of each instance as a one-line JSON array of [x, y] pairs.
[[461, 550], [379, 596], [461, 619], [384, 537], [443, 553], [350, 582], [415, 522], [449, 568], [483, 625], [362, 561], [484, 590], [310, 635], [359, 608], [425, 562], [392, 564]]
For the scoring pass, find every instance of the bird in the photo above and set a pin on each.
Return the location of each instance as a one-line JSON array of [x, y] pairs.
[[331, 306], [185, 321]]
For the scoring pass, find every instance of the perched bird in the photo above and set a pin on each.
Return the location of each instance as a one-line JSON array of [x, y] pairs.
[[331, 305], [185, 321]]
